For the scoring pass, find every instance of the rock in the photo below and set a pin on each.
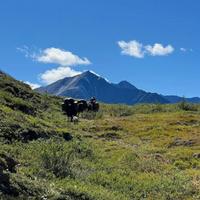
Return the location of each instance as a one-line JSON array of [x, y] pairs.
[[191, 122], [114, 128], [7, 163], [32, 134], [5, 185], [180, 142], [158, 156], [3, 164], [110, 136], [67, 136], [29, 135], [4, 178], [7, 166], [196, 155]]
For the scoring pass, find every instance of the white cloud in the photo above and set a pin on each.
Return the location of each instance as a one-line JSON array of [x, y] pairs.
[[53, 75], [28, 52], [159, 50], [61, 57], [138, 50], [65, 60], [186, 50], [54, 56], [24, 50], [32, 85], [132, 48], [183, 49]]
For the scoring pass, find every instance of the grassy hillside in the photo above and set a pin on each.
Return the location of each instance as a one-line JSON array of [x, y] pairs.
[[122, 153]]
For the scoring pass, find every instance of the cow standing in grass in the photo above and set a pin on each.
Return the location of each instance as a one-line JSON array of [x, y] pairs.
[[82, 105], [72, 108], [93, 105]]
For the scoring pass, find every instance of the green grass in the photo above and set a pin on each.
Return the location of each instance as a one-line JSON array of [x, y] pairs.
[[122, 152]]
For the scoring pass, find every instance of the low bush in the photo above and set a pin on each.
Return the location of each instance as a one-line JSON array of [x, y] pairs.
[[187, 106]]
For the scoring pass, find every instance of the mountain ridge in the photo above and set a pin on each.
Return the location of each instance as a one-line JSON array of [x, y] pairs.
[[88, 84]]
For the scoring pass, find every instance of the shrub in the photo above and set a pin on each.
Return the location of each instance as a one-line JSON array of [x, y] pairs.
[[90, 115], [181, 165], [157, 108], [60, 158], [56, 158], [119, 110], [183, 105]]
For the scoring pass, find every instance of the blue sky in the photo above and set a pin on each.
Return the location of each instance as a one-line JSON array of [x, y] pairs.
[[153, 44]]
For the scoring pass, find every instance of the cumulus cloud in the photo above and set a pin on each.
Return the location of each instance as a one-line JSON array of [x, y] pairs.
[[132, 48], [159, 50], [50, 76], [138, 50], [32, 85], [64, 59], [61, 57], [53, 56]]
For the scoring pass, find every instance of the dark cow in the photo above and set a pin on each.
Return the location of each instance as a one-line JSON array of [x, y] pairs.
[[72, 108], [93, 105], [82, 105]]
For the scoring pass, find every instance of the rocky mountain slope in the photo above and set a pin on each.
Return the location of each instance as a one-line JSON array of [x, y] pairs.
[[89, 84], [177, 99]]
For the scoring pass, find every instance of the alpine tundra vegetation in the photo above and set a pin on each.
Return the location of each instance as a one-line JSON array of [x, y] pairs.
[[145, 151]]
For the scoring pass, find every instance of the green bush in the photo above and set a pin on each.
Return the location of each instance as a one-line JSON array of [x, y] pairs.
[[61, 159], [90, 115], [57, 159], [183, 105], [118, 110]]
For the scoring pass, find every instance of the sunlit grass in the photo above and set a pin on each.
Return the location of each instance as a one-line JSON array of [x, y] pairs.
[[122, 152]]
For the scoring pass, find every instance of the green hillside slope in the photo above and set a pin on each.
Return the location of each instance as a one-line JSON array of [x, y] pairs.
[[122, 153]]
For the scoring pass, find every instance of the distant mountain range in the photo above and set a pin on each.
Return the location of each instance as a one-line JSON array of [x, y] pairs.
[[89, 84]]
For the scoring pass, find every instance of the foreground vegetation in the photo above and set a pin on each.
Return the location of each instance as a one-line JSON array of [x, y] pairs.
[[123, 152]]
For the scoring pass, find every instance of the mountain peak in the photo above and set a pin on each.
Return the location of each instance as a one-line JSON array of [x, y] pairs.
[[89, 83], [92, 74], [126, 84], [89, 73]]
